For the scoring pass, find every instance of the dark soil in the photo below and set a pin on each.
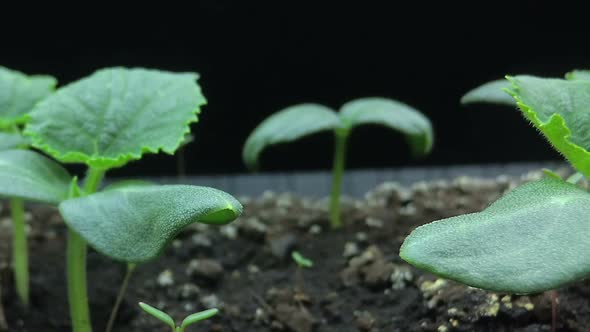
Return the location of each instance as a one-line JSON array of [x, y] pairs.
[[358, 282]]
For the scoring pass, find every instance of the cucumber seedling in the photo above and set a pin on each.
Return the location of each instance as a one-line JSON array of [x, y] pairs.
[[302, 263], [18, 95], [189, 320], [534, 238], [301, 120], [104, 121]]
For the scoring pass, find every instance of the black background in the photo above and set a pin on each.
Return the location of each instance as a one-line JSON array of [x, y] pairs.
[[258, 57]]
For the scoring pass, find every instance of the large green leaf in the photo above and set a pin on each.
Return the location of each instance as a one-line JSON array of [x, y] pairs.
[[392, 114], [116, 115], [19, 93], [12, 141], [578, 74], [134, 224], [533, 239], [491, 93], [560, 110], [287, 125], [31, 176]]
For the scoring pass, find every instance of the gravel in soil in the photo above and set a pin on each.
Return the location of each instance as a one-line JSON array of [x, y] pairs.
[[358, 282]]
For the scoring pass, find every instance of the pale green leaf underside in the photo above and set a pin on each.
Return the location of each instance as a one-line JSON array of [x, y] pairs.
[[135, 224], [287, 125], [560, 109], [491, 92], [394, 115], [116, 115], [159, 314], [28, 175], [199, 316], [12, 141], [19, 93], [533, 239], [578, 74], [128, 184]]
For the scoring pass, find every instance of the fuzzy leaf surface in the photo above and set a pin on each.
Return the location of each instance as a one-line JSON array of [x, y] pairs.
[[287, 125], [560, 110], [391, 114], [578, 74], [12, 141], [491, 93], [533, 239], [116, 115], [28, 175], [136, 223], [19, 93]]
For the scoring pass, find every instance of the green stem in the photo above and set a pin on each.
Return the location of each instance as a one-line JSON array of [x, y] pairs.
[[76, 266], [340, 137], [120, 296], [20, 258]]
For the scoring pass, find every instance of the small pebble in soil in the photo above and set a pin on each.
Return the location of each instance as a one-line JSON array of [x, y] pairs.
[[361, 237], [252, 228], [374, 222], [364, 320], [211, 301], [229, 231], [281, 244], [402, 276], [315, 229], [189, 291], [201, 240], [209, 269], [165, 278], [253, 269], [350, 249]]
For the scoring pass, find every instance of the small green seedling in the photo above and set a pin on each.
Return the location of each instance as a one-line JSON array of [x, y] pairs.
[[301, 261], [534, 238], [301, 120], [19, 93], [189, 320], [104, 121]]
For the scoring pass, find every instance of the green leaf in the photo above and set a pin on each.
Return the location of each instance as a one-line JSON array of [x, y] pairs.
[[287, 125], [135, 224], [28, 175], [583, 75], [12, 141], [128, 184], [533, 239], [392, 114], [559, 109], [197, 317], [300, 260], [19, 93], [116, 115], [491, 93], [159, 314]]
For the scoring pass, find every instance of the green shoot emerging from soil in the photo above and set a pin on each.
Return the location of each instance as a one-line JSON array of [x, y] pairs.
[[535, 238], [301, 261], [104, 121], [301, 120], [18, 95], [189, 320]]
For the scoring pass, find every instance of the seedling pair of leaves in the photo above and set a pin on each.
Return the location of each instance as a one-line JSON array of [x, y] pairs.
[[302, 120], [535, 238], [18, 95], [104, 121], [189, 320]]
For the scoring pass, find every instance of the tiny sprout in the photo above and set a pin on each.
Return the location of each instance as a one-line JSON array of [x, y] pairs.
[[189, 320], [301, 261]]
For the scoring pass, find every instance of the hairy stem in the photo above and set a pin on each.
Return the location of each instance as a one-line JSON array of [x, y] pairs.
[[76, 266], [120, 296], [20, 258], [340, 137]]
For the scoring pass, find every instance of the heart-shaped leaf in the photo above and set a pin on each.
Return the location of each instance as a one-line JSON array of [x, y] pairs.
[[12, 141], [28, 175], [19, 93], [116, 115], [491, 93], [288, 125], [559, 109], [135, 224], [533, 239], [392, 114]]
